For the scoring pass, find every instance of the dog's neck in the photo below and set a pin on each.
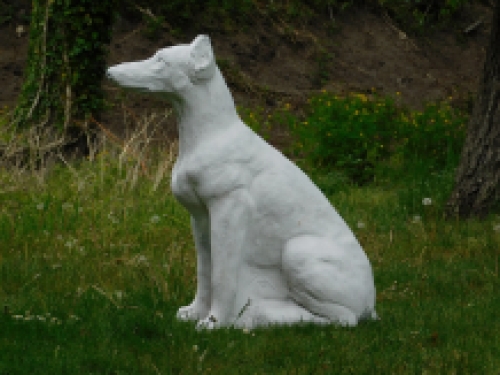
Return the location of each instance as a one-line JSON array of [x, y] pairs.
[[205, 110]]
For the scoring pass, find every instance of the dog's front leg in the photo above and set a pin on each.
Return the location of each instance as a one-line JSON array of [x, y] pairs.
[[229, 220], [200, 306]]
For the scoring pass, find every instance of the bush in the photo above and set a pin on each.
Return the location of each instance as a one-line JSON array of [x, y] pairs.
[[349, 133], [354, 133], [436, 134]]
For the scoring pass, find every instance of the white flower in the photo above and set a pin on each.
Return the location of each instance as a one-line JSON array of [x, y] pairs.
[[20, 30], [427, 201], [119, 294], [40, 206], [417, 218], [361, 224], [154, 219]]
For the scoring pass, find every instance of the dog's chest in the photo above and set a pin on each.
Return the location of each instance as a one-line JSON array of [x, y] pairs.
[[183, 189]]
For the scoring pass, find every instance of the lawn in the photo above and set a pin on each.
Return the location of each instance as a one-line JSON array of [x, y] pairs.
[[96, 256]]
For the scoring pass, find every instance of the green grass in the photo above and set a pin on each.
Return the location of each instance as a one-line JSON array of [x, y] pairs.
[[95, 260]]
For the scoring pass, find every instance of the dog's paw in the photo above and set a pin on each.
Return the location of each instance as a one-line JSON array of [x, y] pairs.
[[207, 323], [192, 312]]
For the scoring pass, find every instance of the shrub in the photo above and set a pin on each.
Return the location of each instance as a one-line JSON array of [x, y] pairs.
[[349, 133], [354, 133], [436, 134]]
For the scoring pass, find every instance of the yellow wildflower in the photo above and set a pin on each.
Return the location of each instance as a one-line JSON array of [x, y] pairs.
[[362, 97]]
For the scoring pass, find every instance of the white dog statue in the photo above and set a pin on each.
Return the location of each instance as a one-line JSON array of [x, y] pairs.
[[270, 247]]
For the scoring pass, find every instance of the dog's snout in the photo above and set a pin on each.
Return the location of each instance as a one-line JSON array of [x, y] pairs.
[[108, 73]]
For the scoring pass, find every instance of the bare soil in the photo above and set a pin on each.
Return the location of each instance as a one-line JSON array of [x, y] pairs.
[[268, 63]]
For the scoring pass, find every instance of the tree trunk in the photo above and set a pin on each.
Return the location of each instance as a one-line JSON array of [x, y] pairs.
[[65, 67], [477, 180]]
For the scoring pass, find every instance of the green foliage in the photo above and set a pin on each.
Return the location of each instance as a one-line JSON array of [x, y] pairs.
[[323, 60], [436, 134], [66, 62], [350, 133], [415, 16], [356, 132], [153, 26], [418, 15], [86, 27], [181, 12], [6, 12], [234, 13], [14, 11], [259, 120]]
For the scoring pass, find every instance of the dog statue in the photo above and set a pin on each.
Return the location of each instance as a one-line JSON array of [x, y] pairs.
[[270, 247]]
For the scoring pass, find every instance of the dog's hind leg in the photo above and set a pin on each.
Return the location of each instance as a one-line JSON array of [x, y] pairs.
[[332, 279], [266, 312]]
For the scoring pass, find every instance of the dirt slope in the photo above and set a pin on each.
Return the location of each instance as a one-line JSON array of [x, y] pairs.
[[269, 63]]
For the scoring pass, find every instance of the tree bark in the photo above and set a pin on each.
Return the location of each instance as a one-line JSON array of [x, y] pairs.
[[65, 67], [477, 179]]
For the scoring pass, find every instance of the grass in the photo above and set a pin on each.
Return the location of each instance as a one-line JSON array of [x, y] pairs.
[[96, 257]]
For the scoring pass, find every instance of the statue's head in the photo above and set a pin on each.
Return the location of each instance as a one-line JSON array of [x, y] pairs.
[[170, 70]]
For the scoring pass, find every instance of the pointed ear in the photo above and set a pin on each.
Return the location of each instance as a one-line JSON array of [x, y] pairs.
[[202, 58]]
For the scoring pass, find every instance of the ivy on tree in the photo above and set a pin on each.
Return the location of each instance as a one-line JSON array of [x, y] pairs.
[[66, 64]]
